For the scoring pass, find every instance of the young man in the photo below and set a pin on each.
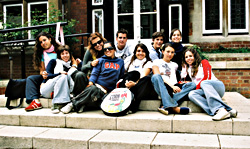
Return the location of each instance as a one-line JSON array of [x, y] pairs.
[[155, 52], [102, 80], [123, 50]]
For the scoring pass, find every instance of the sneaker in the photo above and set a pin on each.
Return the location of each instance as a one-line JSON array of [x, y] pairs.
[[33, 106], [66, 109], [55, 111], [163, 110], [221, 115], [233, 113]]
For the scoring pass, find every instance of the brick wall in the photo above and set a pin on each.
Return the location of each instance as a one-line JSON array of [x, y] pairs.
[[208, 46]]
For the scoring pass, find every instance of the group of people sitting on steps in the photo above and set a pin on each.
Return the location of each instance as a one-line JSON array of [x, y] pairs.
[[165, 70]]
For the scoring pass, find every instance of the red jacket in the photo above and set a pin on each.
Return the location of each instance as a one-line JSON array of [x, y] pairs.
[[207, 69]]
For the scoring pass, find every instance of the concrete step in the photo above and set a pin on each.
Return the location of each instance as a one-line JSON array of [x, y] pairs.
[[148, 121], [146, 105], [44, 137]]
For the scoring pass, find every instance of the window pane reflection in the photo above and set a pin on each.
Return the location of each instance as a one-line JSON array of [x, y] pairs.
[[14, 16], [148, 6], [98, 21], [127, 23], [125, 6], [175, 12], [148, 25], [238, 14]]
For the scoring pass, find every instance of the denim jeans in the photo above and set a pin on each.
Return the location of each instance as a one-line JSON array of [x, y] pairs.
[[60, 86], [32, 91], [209, 96], [161, 90]]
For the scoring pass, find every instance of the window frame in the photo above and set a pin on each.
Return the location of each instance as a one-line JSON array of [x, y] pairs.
[[170, 14], [93, 20], [10, 5], [204, 31], [136, 15], [29, 13], [97, 4], [247, 19]]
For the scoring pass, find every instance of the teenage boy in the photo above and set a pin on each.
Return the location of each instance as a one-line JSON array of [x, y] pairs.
[[102, 80], [123, 50], [157, 41]]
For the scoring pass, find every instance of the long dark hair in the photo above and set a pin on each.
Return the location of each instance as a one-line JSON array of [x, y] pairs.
[[38, 50], [145, 49], [196, 62]]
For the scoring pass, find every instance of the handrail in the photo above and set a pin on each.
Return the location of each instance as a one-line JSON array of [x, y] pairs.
[[30, 40], [31, 27]]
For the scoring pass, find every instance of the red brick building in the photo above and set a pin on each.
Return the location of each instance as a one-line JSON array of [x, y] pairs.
[[207, 23]]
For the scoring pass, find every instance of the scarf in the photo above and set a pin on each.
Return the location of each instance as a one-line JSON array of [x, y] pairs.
[[46, 56], [59, 65]]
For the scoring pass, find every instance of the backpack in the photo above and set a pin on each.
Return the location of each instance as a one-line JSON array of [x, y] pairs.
[[14, 90], [117, 102]]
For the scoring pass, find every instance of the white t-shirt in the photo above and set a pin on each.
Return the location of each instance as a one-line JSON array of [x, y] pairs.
[[137, 65], [124, 53], [167, 70]]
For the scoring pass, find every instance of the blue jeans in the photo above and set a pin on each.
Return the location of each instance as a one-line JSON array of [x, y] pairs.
[[161, 90], [32, 91], [209, 96]]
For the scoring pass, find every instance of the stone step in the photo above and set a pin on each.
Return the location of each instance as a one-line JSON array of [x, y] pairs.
[[45, 137], [146, 105], [140, 121]]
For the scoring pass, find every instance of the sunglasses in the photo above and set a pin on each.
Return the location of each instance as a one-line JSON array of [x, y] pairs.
[[108, 48], [98, 42]]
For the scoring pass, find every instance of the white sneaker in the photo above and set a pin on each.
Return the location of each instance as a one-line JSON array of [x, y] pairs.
[[233, 113], [55, 111], [221, 114], [66, 109]]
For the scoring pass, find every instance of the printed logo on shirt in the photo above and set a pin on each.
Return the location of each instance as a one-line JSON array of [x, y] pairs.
[[112, 65], [167, 70]]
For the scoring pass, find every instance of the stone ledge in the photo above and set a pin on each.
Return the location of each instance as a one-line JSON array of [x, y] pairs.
[[230, 64]]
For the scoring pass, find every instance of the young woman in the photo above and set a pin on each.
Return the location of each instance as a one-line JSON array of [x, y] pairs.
[[45, 50], [138, 67], [165, 83], [209, 90], [102, 80], [95, 50], [60, 79]]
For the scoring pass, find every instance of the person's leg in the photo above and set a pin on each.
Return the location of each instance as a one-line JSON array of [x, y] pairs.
[[61, 90], [48, 87], [186, 88], [80, 80], [214, 91], [33, 88], [198, 98], [143, 90], [161, 90]]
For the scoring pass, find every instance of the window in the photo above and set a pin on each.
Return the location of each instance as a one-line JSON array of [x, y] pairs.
[[175, 17], [36, 13], [238, 16], [13, 14], [212, 16], [139, 17], [97, 21], [97, 2]]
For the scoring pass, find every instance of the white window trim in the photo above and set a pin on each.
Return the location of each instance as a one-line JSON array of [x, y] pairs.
[[137, 29], [29, 13], [203, 20], [229, 19], [4, 11], [93, 20], [100, 3], [180, 16]]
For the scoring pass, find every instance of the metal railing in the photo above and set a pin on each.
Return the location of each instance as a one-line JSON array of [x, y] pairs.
[[25, 41]]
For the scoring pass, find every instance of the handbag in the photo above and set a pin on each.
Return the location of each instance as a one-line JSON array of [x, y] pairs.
[[14, 90], [117, 102]]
